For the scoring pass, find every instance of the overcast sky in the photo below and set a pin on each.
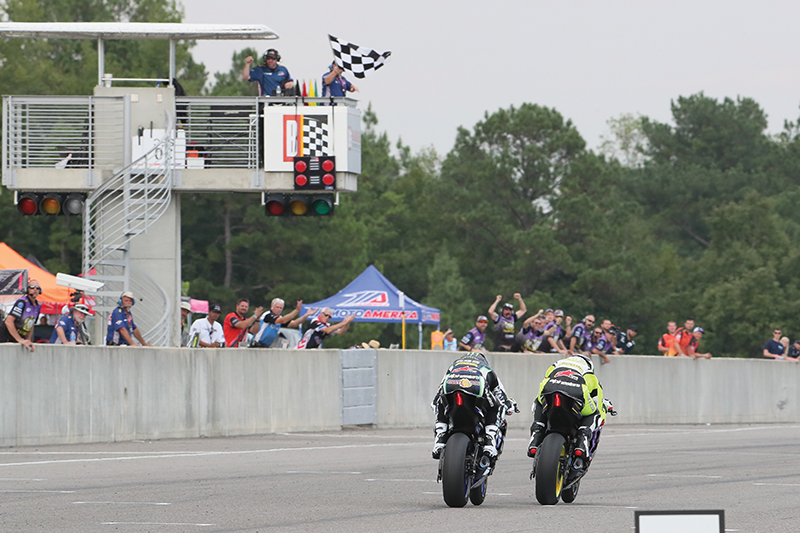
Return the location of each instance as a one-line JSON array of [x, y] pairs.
[[452, 61]]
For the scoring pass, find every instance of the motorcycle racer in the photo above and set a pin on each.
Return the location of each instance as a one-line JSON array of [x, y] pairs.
[[575, 372], [495, 403]]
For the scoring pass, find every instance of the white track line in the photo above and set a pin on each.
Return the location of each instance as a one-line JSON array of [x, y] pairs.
[[206, 454], [155, 524], [49, 491], [321, 472], [401, 480], [121, 503], [683, 475]]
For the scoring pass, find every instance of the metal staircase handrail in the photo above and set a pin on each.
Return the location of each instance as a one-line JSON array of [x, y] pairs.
[[128, 203], [120, 209], [154, 324]]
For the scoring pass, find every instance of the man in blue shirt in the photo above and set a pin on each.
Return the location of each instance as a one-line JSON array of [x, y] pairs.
[[774, 349], [121, 328], [334, 84], [269, 76], [66, 331]]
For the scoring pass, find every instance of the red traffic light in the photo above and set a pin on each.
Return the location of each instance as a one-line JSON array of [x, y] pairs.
[[301, 180], [327, 165], [300, 166], [28, 203], [276, 204], [328, 179]]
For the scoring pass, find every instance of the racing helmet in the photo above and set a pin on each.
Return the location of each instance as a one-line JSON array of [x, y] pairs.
[[587, 359], [479, 351]]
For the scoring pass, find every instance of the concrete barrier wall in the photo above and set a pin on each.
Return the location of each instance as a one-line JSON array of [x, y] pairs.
[[65, 394], [644, 389]]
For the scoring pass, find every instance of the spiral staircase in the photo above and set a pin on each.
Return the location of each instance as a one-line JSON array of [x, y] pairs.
[[118, 211]]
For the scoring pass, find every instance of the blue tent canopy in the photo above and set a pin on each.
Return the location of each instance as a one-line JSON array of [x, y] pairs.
[[373, 298]]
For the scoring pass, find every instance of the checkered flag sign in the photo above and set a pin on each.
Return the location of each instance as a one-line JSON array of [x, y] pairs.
[[359, 61], [315, 137]]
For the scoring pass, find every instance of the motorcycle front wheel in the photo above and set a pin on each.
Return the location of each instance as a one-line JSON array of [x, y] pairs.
[[568, 495], [478, 494], [550, 472], [456, 471]]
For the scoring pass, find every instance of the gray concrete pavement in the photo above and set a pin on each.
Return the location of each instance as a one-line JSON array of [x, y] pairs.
[[384, 480]]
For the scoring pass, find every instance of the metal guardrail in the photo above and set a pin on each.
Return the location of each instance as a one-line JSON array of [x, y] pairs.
[[62, 132]]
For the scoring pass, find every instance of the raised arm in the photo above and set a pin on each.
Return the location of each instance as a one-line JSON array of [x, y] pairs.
[[246, 70], [522, 309], [341, 327], [289, 316], [299, 320], [492, 308]]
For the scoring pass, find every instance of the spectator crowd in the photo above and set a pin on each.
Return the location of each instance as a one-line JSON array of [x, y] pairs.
[[546, 331], [552, 331]]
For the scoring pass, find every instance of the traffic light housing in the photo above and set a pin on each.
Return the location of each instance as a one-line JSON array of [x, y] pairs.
[[314, 205], [50, 203], [314, 173]]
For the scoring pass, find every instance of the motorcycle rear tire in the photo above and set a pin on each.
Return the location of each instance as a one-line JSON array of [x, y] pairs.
[[568, 495], [456, 476], [549, 469]]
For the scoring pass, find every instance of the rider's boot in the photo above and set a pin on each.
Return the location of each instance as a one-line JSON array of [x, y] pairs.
[[537, 435], [582, 440], [441, 438], [581, 452], [537, 429], [489, 441], [489, 454]]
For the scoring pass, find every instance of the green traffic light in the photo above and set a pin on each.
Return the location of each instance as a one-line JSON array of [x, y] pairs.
[[321, 206]]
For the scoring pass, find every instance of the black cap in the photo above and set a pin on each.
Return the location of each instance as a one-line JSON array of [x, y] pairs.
[[214, 308]]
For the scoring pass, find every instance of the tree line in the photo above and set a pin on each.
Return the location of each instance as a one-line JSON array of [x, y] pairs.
[[696, 218]]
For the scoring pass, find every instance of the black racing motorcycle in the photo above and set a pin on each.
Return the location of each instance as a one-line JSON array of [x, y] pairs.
[[463, 469], [557, 470]]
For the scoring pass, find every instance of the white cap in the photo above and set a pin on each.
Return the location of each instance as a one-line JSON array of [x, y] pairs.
[[83, 308]]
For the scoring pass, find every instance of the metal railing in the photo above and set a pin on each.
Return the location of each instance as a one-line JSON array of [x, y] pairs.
[[89, 132], [62, 132], [154, 307], [222, 131], [115, 213]]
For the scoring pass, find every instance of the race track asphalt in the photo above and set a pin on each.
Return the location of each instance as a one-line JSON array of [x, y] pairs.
[[384, 480]]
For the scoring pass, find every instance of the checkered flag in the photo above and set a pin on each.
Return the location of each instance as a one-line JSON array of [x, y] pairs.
[[315, 137], [359, 61]]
